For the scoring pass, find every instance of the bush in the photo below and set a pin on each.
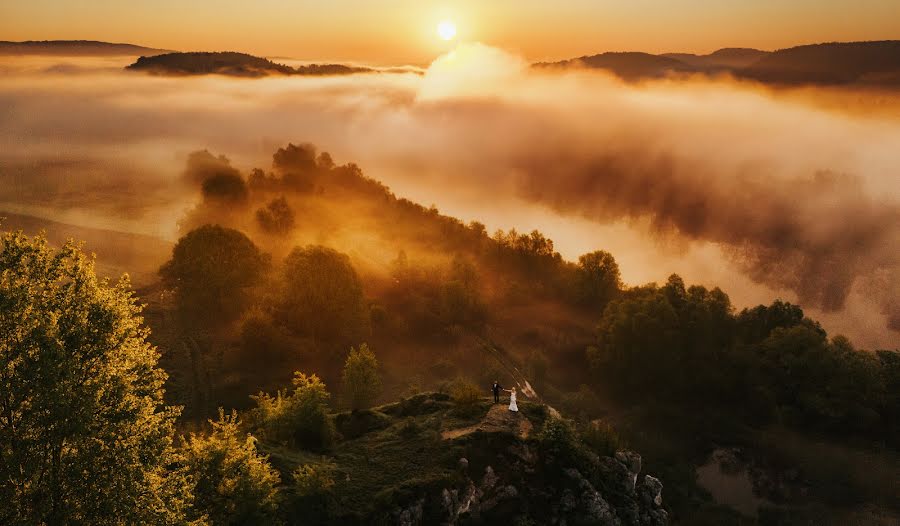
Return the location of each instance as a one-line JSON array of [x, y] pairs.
[[602, 438], [558, 437], [464, 393], [233, 483], [311, 480], [299, 418], [362, 381]]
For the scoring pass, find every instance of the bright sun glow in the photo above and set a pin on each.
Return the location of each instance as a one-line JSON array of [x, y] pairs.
[[446, 30]]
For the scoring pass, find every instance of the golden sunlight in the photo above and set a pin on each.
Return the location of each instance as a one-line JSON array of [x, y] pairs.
[[446, 30]]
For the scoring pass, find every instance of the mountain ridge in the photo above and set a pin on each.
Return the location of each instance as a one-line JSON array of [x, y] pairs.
[[829, 63], [74, 48]]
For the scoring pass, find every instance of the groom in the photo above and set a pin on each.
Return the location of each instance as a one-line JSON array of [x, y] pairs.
[[496, 389]]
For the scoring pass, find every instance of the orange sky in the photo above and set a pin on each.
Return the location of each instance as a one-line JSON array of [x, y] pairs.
[[403, 31]]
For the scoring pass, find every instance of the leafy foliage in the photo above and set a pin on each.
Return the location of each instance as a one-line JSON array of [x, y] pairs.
[[597, 279], [211, 268], [362, 380], [234, 484], [277, 217], [84, 434], [322, 297], [312, 480], [297, 418]]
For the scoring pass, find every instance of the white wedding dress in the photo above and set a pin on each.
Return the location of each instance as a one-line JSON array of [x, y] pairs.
[[512, 402]]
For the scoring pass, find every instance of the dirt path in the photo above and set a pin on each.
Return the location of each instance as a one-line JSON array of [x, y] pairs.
[[498, 419]]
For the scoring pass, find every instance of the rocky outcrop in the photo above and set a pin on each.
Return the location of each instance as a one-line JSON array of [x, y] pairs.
[[523, 485]]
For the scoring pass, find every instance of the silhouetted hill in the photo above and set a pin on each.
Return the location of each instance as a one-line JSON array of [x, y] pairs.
[[628, 65], [722, 58], [832, 63], [74, 48], [875, 63], [232, 64]]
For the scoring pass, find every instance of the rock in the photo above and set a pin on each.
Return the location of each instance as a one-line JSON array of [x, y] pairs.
[[412, 515], [631, 460], [591, 507], [490, 479], [464, 464], [651, 491]]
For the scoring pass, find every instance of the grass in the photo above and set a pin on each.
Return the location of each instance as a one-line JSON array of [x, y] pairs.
[[395, 450]]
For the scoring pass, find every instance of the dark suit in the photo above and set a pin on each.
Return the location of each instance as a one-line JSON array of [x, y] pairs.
[[496, 389]]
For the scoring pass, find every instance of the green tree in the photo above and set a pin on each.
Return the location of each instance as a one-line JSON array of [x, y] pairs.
[[323, 297], [211, 268], [362, 381], [84, 435], [234, 484], [597, 279], [298, 418]]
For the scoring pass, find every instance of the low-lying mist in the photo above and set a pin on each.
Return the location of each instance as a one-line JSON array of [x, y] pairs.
[[764, 193]]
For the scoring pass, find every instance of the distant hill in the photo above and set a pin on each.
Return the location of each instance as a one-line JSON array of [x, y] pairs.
[[732, 57], [232, 64], [74, 48], [832, 63], [628, 65], [876, 63]]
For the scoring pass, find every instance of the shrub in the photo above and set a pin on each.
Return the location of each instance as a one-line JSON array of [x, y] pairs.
[[558, 437], [299, 418], [312, 480], [233, 483], [362, 381], [602, 438], [464, 393]]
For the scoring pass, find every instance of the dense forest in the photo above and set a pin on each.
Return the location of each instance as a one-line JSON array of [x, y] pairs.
[[301, 301]]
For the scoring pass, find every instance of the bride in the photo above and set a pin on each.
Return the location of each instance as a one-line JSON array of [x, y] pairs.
[[512, 400]]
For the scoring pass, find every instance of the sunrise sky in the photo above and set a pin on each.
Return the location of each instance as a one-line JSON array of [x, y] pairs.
[[403, 31]]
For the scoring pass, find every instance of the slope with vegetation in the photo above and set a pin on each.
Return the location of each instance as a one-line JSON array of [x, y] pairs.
[[311, 266]]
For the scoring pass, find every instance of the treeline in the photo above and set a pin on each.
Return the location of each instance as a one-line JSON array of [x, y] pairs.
[[686, 347]]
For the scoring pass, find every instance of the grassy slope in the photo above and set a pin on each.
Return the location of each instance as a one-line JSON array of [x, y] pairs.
[[399, 452]]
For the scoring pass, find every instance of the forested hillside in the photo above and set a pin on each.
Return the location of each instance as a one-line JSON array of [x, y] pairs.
[[305, 293]]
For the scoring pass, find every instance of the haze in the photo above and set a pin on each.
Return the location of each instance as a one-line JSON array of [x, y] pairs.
[[722, 182], [401, 31]]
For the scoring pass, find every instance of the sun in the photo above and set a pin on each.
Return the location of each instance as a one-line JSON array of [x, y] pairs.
[[446, 30]]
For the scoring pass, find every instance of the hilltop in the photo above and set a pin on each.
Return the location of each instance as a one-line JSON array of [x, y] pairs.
[[232, 64], [405, 463]]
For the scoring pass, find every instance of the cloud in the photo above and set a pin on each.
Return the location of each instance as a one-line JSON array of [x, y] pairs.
[[786, 193]]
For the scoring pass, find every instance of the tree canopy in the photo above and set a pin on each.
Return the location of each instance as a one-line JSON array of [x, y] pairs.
[[362, 380], [211, 267], [84, 434], [322, 297]]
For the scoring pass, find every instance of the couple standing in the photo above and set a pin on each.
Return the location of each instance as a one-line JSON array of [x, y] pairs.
[[512, 396]]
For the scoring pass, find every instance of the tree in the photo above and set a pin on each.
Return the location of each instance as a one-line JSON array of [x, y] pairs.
[[233, 483], [323, 297], [597, 279], [225, 189], [362, 381], [84, 434], [277, 217], [298, 418], [211, 268]]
